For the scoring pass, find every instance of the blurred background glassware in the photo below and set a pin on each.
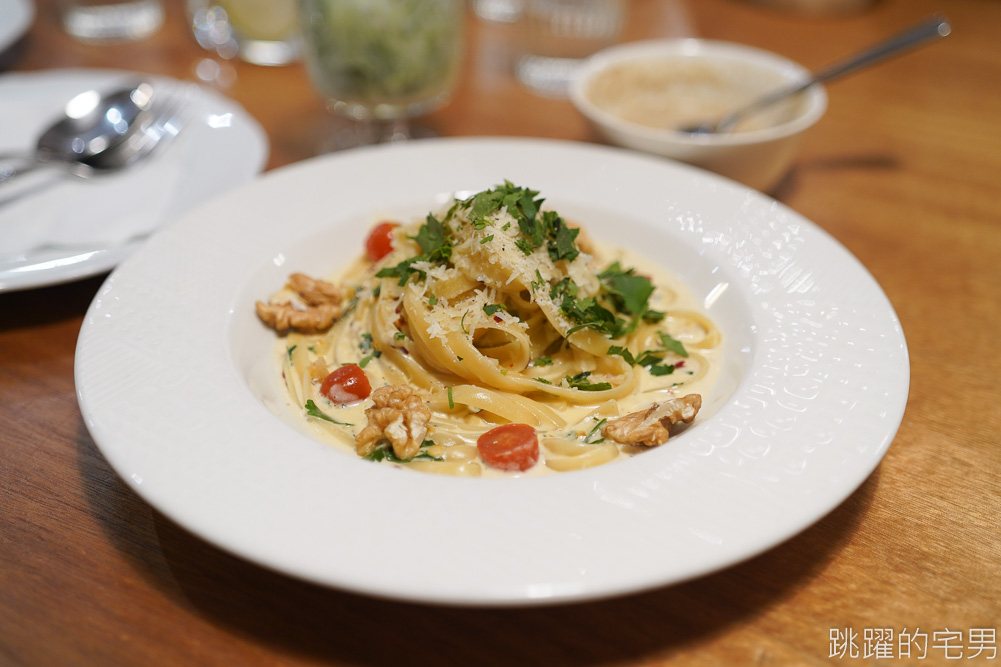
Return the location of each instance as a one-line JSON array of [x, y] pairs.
[[382, 62], [560, 34], [499, 11], [261, 32], [97, 21]]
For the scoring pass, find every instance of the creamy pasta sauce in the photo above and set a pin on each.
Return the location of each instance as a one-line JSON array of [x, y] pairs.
[[480, 338]]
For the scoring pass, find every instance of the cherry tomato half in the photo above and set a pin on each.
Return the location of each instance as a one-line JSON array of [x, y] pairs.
[[380, 240], [511, 447], [348, 383]]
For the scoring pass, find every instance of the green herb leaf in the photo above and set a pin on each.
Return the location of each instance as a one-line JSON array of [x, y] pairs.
[[562, 239], [433, 239], [314, 411], [630, 293], [401, 271], [618, 350], [590, 439], [384, 452], [375, 355], [581, 382], [493, 308], [673, 345]]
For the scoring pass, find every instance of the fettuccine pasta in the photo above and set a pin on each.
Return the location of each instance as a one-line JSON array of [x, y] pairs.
[[492, 337]]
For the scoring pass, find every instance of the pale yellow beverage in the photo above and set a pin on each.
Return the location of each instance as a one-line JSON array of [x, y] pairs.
[[262, 20]]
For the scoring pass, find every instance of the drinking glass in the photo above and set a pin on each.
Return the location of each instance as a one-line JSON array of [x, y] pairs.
[[98, 21], [560, 34], [382, 62], [262, 32]]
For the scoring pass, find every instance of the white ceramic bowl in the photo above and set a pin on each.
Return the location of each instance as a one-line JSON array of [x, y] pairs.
[[674, 79]]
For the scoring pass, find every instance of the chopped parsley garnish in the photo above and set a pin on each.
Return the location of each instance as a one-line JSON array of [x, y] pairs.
[[369, 357], [383, 452], [520, 203], [652, 358], [590, 439], [537, 227], [562, 238], [314, 411], [433, 239], [629, 293], [451, 401], [367, 345], [580, 381], [492, 309], [543, 361], [673, 345], [622, 293], [587, 313], [290, 351]]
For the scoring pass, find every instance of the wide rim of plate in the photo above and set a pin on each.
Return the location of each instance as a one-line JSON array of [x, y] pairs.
[[233, 162], [820, 385]]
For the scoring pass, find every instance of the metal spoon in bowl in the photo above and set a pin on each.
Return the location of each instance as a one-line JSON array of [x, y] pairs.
[[100, 133], [937, 26]]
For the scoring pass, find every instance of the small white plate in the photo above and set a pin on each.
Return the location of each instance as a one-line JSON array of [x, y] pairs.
[[174, 380], [16, 16], [67, 228]]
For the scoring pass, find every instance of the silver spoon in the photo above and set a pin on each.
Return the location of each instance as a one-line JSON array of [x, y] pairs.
[[937, 26], [98, 133]]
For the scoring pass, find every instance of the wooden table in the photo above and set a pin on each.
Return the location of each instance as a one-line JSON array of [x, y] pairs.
[[905, 170]]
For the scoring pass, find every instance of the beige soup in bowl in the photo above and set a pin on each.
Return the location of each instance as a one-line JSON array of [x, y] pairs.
[[669, 92]]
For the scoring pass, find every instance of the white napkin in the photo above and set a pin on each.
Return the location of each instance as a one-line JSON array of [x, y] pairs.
[[60, 210], [50, 208]]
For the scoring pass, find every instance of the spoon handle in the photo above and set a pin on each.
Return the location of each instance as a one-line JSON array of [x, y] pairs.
[[14, 165], [933, 28]]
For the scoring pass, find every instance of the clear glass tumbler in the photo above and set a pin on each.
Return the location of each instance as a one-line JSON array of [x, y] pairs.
[[97, 21], [262, 32], [560, 34], [382, 62]]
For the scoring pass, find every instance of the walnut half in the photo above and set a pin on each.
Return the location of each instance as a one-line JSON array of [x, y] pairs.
[[650, 427], [318, 307], [398, 415]]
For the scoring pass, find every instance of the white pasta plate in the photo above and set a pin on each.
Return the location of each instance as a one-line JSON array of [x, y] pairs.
[[175, 387]]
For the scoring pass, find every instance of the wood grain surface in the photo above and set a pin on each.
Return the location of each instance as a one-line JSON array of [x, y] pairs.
[[905, 170]]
